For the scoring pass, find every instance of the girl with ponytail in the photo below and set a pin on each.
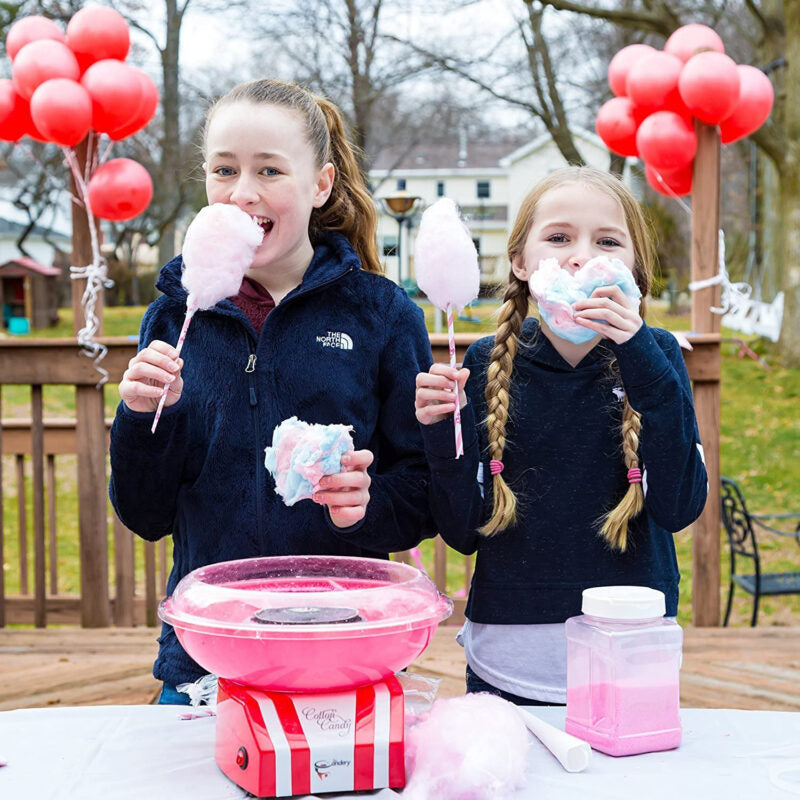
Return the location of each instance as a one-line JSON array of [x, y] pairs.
[[315, 332], [587, 456]]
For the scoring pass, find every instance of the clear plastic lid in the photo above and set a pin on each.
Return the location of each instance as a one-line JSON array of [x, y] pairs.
[[623, 602], [301, 595]]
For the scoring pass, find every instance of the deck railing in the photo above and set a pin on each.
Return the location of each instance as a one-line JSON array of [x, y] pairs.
[[45, 453]]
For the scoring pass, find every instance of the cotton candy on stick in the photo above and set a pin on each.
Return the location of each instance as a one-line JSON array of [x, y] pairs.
[[446, 267], [218, 249]]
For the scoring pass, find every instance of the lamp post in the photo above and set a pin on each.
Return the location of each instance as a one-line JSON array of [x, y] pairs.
[[401, 205]]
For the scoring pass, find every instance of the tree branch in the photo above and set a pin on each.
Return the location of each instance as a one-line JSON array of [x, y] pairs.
[[654, 23]]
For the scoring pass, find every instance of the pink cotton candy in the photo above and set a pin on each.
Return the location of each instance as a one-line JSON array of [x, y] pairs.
[[217, 251], [468, 748], [445, 259]]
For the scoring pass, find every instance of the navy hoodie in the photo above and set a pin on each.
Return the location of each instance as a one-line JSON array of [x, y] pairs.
[[343, 347], [564, 461]]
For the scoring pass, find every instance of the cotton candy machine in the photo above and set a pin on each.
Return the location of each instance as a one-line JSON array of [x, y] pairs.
[[306, 648]]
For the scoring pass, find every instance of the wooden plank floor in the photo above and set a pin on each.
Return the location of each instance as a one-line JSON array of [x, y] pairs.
[[722, 667]]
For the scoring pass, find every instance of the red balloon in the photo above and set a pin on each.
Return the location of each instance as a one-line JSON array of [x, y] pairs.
[[670, 184], [709, 85], [621, 64], [692, 39], [30, 29], [653, 82], [40, 61], [121, 189], [62, 111], [97, 33], [616, 124], [147, 108], [666, 140], [756, 96], [15, 115], [116, 93]]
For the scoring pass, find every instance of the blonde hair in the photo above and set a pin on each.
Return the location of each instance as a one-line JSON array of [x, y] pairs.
[[512, 314], [349, 209]]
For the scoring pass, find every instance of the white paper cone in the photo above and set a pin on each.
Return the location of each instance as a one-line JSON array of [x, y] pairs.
[[573, 753]]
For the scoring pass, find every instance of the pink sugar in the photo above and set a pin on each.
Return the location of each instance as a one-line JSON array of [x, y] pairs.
[[624, 720]]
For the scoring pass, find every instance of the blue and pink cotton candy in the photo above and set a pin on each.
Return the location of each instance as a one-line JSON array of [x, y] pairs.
[[556, 292], [301, 453]]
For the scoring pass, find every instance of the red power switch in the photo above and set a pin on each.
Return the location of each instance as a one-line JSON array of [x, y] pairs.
[[241, 758]]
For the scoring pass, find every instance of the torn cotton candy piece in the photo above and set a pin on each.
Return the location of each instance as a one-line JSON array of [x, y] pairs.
[[556, 291], [445, 258], [468, 748], [218, 249], [301, 453]]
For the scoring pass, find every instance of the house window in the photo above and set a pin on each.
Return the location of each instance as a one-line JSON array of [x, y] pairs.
[[484, 190], [440, 188], [389, 246]]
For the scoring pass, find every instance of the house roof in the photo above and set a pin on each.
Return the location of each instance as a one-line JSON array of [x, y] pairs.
[[26, 264], [469, 154], [541, 141]]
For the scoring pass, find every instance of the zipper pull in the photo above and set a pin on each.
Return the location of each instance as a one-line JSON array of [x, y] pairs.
[[251, 363]]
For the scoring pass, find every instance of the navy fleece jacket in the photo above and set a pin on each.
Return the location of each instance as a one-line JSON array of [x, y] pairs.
[[343, 347], [564, 461]]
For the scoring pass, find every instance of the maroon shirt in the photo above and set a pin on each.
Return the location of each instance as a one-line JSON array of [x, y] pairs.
[[255, 301]]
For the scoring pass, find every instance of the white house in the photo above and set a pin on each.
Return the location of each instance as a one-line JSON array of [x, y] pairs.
[[487, 180]]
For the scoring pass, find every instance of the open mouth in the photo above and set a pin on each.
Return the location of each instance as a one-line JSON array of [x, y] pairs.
[[265, 224]]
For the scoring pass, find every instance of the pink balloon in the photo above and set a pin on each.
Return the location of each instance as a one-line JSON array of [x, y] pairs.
[[622, 62], [62, 110], [121, 189], [709, 85], [653, 82], [690, 40], [756, 97], [666, 140], [96, 33], [41, 61], [116, 93], [670, 184], [146, 111], [30, 29], [15, 115], [616, 124]]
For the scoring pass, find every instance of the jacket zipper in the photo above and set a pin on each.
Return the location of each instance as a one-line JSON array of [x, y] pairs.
[[250, 369]]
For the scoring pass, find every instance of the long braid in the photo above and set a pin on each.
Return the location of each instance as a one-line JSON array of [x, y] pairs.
[[498, 382], [615, 524]]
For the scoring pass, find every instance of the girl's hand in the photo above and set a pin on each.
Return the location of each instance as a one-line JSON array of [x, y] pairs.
[[148, 371], [434, 398], [610, 313], [347, 493]]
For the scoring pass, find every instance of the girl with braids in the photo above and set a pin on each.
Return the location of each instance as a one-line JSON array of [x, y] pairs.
[[314, 332], [587, 456]]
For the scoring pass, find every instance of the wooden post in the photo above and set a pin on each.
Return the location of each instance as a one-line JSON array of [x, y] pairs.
[[91, 435], [705, 264], [37, 468]]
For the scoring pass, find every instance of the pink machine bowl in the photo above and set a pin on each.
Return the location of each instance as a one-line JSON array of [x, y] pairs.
[[305, 623]]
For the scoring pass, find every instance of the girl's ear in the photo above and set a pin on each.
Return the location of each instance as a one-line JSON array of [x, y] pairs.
[[324, 185], [519, 269]]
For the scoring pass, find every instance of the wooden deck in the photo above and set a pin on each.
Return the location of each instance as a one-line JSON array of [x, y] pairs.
[[722, 667]]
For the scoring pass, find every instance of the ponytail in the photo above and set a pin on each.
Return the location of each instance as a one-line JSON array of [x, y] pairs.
[[349, 209], [498, 382]]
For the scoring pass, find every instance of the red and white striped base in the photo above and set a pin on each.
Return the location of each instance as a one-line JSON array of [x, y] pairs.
[[276, 744]]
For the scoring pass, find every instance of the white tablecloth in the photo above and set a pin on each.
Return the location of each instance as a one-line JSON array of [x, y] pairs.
[[148, 753]]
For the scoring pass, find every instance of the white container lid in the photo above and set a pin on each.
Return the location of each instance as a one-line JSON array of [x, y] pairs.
[[623, 602]]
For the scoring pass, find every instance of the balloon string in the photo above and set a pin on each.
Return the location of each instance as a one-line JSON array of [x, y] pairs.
[[672, 194], [95, 273]]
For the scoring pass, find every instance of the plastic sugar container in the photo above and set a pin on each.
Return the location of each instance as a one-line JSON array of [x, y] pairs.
[[623, 660]]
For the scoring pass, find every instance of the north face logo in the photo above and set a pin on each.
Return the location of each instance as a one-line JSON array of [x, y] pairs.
[[336, 339]]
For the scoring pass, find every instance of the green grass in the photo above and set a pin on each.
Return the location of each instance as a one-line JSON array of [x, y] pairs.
[[760, 436]]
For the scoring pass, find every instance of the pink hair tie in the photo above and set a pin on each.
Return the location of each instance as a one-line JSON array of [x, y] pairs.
[[634, 476], [496, 467]]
